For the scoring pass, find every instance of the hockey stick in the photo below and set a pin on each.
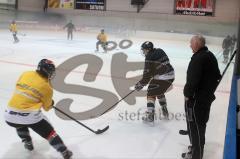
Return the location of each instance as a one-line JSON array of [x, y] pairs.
[[224, 71], [118, 101], [126, 97], [99, 131]]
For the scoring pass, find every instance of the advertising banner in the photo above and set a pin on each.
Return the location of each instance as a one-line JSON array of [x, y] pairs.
[[195, 7], [90, 4], [66, 4], [53, 3]]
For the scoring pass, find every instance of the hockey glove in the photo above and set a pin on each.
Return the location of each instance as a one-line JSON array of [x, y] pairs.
[[139, 86]]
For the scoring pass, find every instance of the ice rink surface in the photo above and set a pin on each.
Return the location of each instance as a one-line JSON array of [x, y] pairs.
[[127, 136]]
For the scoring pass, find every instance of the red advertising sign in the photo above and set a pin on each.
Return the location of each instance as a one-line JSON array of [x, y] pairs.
[[195, 7]]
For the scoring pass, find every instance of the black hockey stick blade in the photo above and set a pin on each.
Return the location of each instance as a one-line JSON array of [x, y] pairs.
[[100, 131]]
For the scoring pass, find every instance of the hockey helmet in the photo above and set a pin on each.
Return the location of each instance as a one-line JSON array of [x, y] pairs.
[[147, 45], [46, 68]]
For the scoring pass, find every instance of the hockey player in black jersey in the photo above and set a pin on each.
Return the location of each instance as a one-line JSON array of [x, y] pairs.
[[159, 74]]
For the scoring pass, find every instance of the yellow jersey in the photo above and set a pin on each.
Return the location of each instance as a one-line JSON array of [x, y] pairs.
[[13, 27], [32, 93], [102, 37]]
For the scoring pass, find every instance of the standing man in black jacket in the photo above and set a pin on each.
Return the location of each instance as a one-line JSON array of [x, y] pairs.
[[203, 76], [159, 74]]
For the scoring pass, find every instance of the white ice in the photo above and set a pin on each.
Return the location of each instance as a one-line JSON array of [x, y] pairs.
[[126, 138]]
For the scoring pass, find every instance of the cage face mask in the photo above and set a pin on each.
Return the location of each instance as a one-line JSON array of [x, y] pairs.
[[144, 52]]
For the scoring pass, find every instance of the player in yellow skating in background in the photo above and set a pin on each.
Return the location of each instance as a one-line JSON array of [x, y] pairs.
[[13, 29], [102, 40]]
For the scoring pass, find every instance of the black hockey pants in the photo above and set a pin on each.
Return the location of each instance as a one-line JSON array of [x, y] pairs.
[[44, 129], [197, 115], [69, 35]]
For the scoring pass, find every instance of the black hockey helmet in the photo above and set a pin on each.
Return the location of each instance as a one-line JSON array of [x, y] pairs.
[[46, 68], [147, 45]]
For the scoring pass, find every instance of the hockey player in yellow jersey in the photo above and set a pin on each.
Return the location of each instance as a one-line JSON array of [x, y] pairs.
[[34, 92], [102, 40], [13, 29]]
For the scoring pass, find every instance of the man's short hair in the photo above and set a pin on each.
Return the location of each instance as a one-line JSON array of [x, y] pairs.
[[200, 39]]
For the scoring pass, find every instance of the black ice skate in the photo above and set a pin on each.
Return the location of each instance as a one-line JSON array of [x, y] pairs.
[[187, 155], [28, 145], [183, 132], [149, 117], [165, 112], [67, 154]]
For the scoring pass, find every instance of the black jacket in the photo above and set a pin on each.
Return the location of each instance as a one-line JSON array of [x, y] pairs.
[[202, 76], [156, 63]]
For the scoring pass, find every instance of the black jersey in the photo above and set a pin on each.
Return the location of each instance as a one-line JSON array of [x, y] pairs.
[[157, 66]]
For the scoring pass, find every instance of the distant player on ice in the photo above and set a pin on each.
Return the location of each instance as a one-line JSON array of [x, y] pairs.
[[159, 74], [70, 27], [102, 40], [226, 45], [13, 29]]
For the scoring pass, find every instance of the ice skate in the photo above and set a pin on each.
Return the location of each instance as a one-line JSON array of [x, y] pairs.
[[190, 148], [188, 155], [67, 154], [28, 145], [149, 118], [165, 112]]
